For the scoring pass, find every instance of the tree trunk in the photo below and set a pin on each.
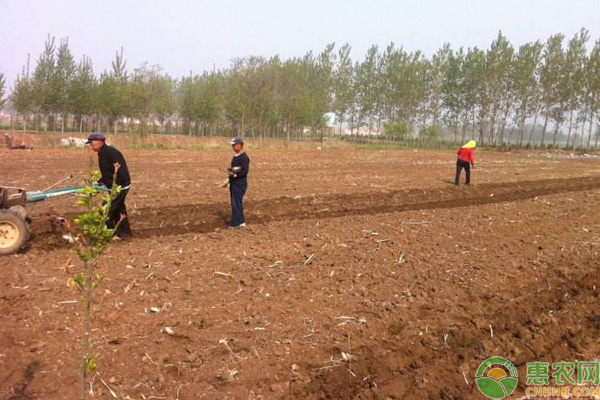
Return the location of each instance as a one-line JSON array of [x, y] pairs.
[[544, 130], [321, 136], [503, 129], [570, 129], [512, 128], [482, 129], [582, 132], [590, 131], [555, 137], [287, 134], [521, 128], [87, 315], [531, 132], [243, 132], [464, 128], [492, 125]]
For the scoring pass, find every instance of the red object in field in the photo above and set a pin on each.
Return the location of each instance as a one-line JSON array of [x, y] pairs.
[[466, 155]]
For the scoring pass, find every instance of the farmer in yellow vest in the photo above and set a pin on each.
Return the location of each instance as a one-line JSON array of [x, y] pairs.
[[465, 160]]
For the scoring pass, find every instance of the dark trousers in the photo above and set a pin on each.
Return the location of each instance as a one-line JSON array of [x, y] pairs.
[[117, 208], [459, 166], [237, 190]]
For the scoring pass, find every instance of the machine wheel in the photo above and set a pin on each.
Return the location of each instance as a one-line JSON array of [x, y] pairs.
[[14, 232], [20, 211]]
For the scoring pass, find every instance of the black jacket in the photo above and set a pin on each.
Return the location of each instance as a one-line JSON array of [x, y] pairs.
[[107, 157], [243, 161]]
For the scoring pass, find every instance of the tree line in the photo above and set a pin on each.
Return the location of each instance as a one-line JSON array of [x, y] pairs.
[[539, 94]]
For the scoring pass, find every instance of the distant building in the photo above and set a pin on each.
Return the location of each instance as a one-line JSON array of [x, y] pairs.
[[329, 119]]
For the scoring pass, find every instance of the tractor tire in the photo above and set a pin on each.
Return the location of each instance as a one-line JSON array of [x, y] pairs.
[[14, 232], [20, 211]]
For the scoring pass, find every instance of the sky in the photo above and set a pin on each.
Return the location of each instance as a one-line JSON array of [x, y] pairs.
[[198, 35]]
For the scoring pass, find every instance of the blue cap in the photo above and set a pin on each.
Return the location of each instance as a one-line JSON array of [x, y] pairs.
[[236, 140], [95, 136]]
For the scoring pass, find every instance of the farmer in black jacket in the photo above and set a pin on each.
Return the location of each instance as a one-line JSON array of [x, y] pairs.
[[107, 157], [238, 182]]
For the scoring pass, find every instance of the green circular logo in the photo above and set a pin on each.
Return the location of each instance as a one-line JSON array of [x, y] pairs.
[[497, 378]]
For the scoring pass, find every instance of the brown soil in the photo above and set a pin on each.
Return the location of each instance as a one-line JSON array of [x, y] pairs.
[[507, 267]]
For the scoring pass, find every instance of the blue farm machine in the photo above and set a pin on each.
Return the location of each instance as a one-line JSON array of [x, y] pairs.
[[14, 220]]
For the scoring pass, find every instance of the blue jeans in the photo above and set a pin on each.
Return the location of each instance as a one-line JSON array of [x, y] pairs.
[[237, 190]]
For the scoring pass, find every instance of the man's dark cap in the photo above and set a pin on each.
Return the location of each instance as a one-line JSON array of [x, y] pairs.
[[95, 136], [236, 140]]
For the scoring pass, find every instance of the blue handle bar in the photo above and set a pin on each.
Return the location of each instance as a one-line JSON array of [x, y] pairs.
[[35, 197]]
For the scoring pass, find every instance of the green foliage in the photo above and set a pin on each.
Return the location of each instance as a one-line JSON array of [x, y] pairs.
[[454, 90], [150, 93], [397, 130], [78, 278], [437, 71], [83, 89], [62, 78], [551, 74], [95, 235], [494, 86], [491, 92], [429, 132], [43, 98], [524, 79], [573, 79], [2, 91], [366, 87], [591, 97], [22, 93], [92, 243], [343, 93], [90, 364], [163, 100], [114, 93], [403, 77]]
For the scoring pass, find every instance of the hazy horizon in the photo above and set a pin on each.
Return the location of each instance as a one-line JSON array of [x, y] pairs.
[[184, 35]]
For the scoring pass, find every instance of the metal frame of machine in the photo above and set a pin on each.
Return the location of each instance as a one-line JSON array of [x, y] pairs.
[[14, 221]]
